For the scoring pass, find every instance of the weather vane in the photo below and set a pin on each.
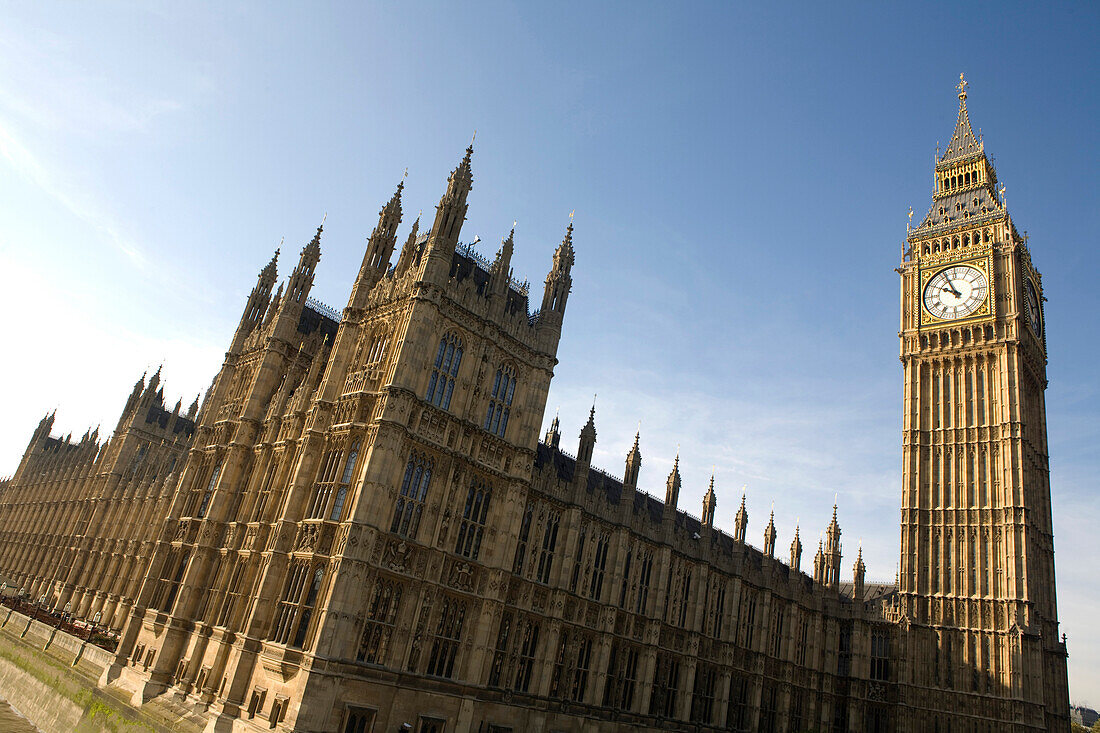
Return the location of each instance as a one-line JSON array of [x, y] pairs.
[[961, 86]]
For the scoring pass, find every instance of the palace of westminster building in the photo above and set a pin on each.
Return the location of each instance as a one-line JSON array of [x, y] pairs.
[[361, 529]]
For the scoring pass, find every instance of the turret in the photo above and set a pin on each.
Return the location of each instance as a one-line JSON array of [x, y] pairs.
[[409, 251], [741, 521], [710, 501], [257, 303], [832, 551], [449, 215], [769, 536], [584, 450], [633, 464], [376, 259], [298, 287], [796, 551], [135, 395], [193, 410], [559, 281], [858, 573], [819, 564], [500, 273], [672, 489], [553, 434]]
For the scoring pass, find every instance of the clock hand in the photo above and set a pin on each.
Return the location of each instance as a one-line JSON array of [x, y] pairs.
[[951, 288]]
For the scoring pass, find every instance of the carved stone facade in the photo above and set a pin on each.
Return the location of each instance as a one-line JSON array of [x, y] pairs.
[[367, 530]]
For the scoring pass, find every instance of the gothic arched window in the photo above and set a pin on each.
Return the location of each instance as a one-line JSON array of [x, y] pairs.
[[410, 503], [209, 490], [500, 401], [473, 520], [345, 482], [442, 381]]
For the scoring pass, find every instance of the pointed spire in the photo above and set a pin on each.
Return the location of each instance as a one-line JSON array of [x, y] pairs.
[[633, 463], [588, 438], [271, 310], [796, 549], [193, 409], [741, 520], [501, 269], [408, 252], [154, 382], [559, 281], [819, 563], [672, 487], [859, 572], [380, 244], [269, 273], [710, 501], [769, 536], [312, 251], [963, 142], [553, 435], [450, 213]]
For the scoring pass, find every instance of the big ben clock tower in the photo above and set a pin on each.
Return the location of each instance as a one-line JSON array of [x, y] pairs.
[[977, 552]]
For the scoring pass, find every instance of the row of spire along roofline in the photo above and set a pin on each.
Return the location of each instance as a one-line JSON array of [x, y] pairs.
[[827, 561], [143, 395], [380, 245]]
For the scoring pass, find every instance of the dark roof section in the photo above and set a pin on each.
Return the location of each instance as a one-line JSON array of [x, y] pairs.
[[157, 414], [871, 591], [467, 263], [318, 316]]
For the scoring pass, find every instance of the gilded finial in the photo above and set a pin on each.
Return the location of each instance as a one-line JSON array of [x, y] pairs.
[[574, 211], [961, 86], [473, 137], [405, 174]]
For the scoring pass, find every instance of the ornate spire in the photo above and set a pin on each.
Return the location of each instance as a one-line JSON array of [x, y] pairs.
[[796, 550], [672, 487], [633, 463], [588, 438], [451, 211], [710, 501], [553, 435], [312, 251], [408, 252], [819, 563], [270, 271], [769, 536], [741, 521], [859, 572], [559, 281], [963, 142]]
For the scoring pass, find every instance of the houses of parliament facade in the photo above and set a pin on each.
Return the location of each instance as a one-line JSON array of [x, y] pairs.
[[362, 529]]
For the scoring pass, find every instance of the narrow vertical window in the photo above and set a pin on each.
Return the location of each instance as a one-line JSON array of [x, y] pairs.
[[209, 490], [345, 481], [500, 401], [410, 502], [473, 520], [599, 565], [448, 635], [380, 623], [546, 554], [442, 382], [644, 574], [524, 535]]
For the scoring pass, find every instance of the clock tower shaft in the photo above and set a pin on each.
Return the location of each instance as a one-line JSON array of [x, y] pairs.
[[977, 553]]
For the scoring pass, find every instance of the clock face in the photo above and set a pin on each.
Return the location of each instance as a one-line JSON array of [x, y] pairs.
[[955, 292], [1031, 301]]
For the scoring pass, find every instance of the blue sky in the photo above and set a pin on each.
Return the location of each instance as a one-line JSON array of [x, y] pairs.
[[741, 176]]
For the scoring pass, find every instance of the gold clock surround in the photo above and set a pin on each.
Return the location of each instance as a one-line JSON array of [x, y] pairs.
[[982, 263]]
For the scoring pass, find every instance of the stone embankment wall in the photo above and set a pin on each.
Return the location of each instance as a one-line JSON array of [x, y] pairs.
[[51, 676]]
